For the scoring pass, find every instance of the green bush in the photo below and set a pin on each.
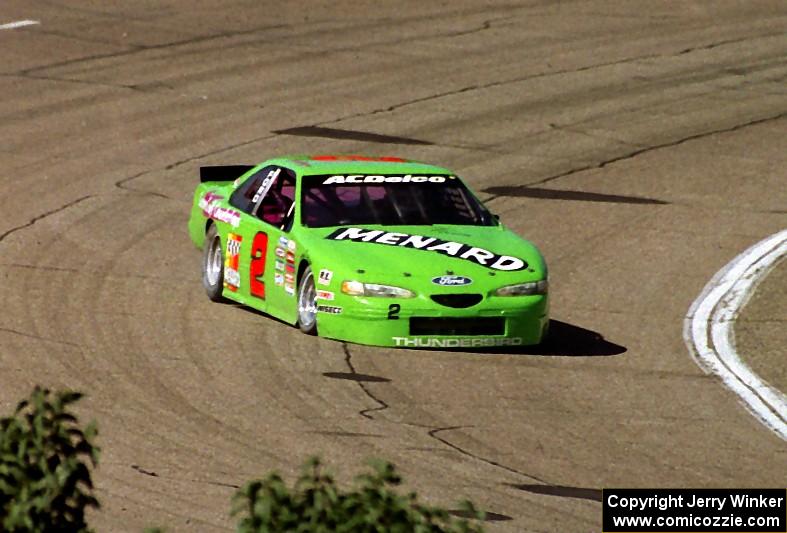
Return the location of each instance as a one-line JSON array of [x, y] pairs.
[[45, 459], [46, 485], [316, 505]]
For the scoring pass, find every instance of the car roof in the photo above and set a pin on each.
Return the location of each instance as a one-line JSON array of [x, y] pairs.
[[354, 164]]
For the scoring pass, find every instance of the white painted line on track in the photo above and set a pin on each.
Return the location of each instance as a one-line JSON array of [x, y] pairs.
[[18, 24], [709, 330]]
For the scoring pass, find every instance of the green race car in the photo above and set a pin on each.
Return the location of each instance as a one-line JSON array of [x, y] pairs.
[[372, 250]]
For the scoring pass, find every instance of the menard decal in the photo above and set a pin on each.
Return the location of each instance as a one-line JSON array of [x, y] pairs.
[[432, 244]]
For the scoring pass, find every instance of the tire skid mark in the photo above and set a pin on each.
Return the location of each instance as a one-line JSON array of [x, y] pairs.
[[137, 48], [217, 151], [488, 516], [151, 473], [561, 491], [546, 74], [97, 273], [490, 85], [93, 83], [145, 48]]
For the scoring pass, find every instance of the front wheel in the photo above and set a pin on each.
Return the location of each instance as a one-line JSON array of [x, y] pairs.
[[307, 303], [213, 265]]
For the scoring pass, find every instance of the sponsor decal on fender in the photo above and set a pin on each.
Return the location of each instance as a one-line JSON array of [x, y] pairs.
[[329, 309], [431, 244], [289, 288], [278, 279], [428, 342], [210, 208], [341, 179], [208, 199], [290, 257], [232, 279], [280, 252], [289, 278], [231, 274], [324, 295], [325, 277], [279, 264], [289, 244]]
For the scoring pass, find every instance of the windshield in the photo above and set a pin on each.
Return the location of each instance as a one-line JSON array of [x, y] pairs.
[[407, 200]]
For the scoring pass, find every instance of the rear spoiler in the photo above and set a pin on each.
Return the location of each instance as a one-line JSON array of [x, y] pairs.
[[223, 172]]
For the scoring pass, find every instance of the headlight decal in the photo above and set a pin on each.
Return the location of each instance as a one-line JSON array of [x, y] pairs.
[[529, 288], [357, 288]]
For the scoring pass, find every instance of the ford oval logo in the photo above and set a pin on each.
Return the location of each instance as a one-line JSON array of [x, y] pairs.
[[451, 281]]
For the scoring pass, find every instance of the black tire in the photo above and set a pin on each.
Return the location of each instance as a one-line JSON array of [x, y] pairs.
[[307, 303], [213, 265]]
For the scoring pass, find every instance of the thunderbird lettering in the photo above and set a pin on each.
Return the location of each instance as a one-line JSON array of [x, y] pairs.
[[421, 342]]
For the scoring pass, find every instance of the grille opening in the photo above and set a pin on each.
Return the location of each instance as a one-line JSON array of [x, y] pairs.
[[457, 326], [458, 301]]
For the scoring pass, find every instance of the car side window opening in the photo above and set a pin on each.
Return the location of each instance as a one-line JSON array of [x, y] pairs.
[[277, 202], [269, 195], [244, 196]]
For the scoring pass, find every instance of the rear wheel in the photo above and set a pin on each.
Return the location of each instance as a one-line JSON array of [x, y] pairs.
[[213, 265], [307, 303]]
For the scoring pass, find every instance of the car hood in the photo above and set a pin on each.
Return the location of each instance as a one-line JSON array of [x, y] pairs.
[[487, 255]]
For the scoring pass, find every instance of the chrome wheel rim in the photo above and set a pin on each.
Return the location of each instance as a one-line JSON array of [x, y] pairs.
[[307, 302], [214, 266]]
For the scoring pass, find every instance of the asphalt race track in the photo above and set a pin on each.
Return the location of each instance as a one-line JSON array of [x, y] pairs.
[[641, 145]]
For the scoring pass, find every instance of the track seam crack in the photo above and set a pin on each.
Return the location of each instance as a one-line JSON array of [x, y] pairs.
[[44, 215], [38, 337], [727, 41], [433, 433], [382, 405], [638, 152], [121, 184]]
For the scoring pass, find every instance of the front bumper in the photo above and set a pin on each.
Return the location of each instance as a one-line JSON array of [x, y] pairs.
[[415, 323]]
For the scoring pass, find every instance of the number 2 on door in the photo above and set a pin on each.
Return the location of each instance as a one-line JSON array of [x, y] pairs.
[[259, 249]]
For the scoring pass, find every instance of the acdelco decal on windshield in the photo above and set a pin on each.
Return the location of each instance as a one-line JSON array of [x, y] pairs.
[[432, 244], [341, 179]]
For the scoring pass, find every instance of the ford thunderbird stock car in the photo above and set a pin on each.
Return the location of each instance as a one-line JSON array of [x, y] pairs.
[[371, 250]]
